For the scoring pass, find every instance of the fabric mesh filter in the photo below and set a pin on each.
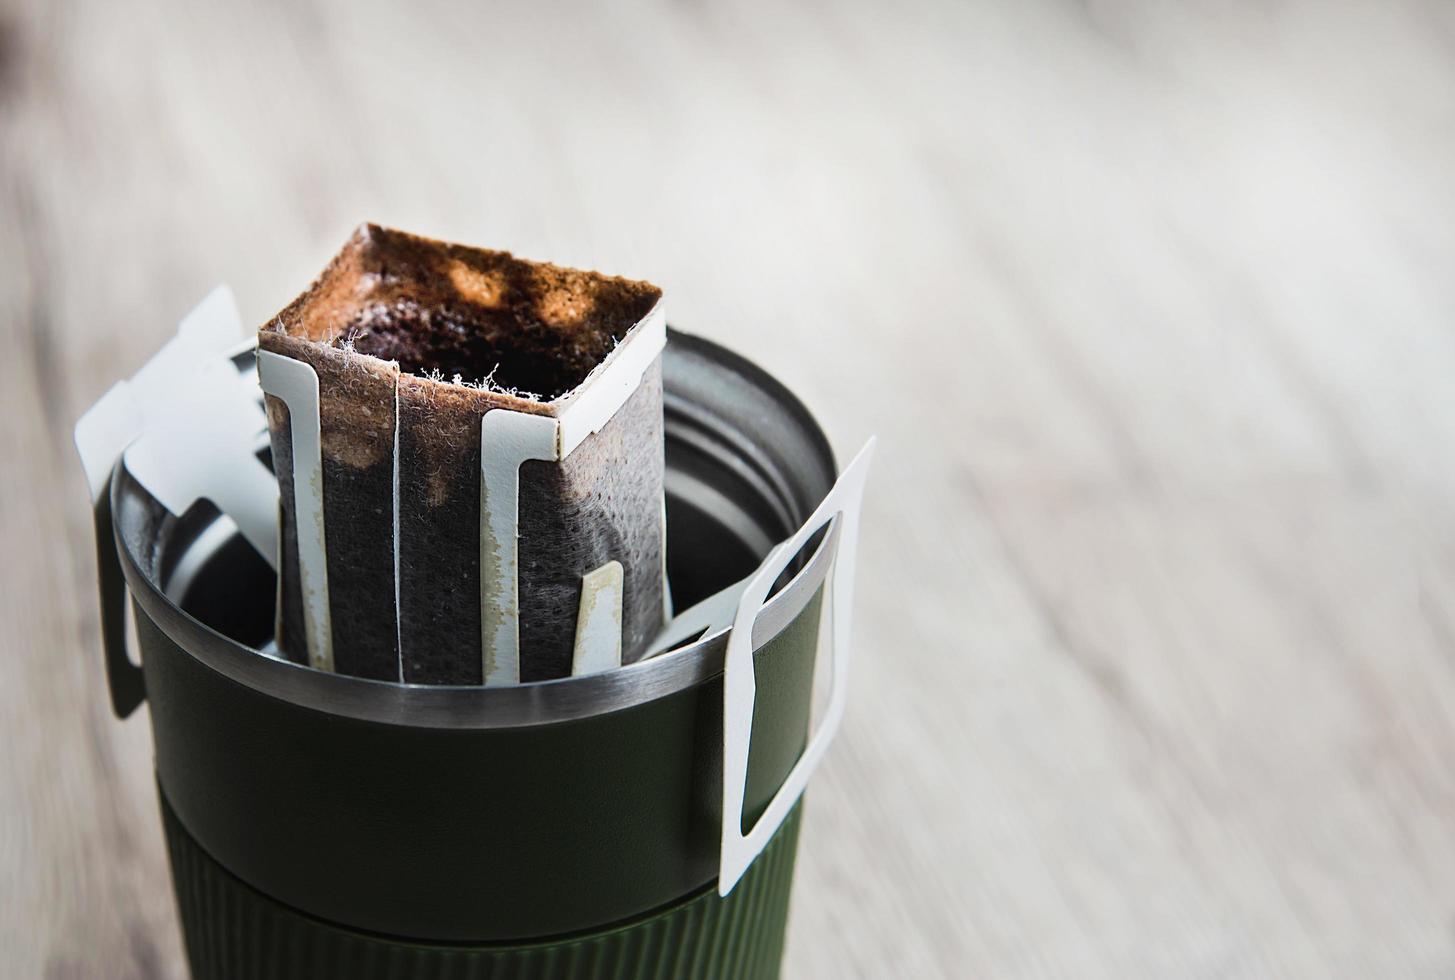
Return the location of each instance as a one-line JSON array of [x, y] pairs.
[[356, 415], [391, 322]]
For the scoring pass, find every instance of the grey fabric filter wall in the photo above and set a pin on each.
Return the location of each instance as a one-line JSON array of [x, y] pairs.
[[595, 505], [356, 416], [429, 310]]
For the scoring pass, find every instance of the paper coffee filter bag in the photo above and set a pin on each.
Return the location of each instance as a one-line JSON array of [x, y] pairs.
[[413, 342]]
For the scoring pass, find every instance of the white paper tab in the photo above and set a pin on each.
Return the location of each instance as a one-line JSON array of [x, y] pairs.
[[598, 621]]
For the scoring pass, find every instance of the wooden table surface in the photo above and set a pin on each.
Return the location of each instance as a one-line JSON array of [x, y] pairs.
[[1152, 307]]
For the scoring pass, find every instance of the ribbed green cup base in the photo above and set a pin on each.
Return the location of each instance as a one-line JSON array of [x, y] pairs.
[[234, 932]]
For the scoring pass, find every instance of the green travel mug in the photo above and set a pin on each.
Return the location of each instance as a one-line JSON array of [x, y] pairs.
[[638, 822]]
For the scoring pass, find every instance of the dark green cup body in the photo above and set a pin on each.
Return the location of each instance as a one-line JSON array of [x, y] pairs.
[[331, 826]]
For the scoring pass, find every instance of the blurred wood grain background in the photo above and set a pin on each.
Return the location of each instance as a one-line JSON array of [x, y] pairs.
[[1151, 305]]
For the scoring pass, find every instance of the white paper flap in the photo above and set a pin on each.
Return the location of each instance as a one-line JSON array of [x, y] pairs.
[[188, 422], [739, 690]]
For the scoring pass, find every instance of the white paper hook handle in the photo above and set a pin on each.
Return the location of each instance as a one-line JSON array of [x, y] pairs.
[[739, 688], [295, 383]]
